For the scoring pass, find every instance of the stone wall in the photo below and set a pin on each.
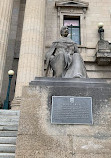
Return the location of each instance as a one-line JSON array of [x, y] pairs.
[[98, 11]]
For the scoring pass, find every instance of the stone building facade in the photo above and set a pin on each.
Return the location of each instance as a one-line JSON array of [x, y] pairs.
[[28, 28]]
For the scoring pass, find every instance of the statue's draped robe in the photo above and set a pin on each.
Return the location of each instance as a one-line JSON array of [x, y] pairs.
[[64, 59]]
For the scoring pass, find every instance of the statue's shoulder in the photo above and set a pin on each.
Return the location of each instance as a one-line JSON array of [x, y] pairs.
[[64, 40]]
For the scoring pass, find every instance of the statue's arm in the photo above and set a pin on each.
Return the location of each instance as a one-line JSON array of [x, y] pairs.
[[76, 49], [48, 55], [50, 51]]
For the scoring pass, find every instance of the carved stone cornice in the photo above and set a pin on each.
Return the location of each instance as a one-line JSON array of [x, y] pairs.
[[72, 3]]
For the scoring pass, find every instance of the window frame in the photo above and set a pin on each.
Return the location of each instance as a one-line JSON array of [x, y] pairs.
[[69, 17]]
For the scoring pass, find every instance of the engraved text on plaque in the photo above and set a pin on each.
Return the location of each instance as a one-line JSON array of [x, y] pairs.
[[71, 110]]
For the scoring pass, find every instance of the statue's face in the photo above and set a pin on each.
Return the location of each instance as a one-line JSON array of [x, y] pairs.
[[65, 31]]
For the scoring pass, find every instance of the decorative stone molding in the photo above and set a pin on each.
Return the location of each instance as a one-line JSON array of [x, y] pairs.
[[72, 3], [72, 8]]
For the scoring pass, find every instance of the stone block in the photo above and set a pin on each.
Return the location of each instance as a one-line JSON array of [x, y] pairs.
[[7, 148], [8, 133], [8, 140], [37, 137], [7, 155]]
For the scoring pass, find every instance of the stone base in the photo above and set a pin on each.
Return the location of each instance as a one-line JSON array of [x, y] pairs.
[[15, 104], [38, 138]]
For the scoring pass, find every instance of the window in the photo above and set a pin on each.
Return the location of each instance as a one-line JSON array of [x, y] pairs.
[[73, 24]]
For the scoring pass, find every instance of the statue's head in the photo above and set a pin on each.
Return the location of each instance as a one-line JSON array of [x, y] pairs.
[[64, 31]]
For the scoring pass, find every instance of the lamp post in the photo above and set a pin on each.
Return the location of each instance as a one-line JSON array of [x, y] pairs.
[[101, 30], [6, 102]]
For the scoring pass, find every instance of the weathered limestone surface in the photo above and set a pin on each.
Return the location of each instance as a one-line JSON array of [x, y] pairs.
[[31, 53], [6, 7], [10, 51], [98, 11], [38, 138]]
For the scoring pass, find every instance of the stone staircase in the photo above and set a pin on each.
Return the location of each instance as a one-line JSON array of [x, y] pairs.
[[15, 104], [8, 132]]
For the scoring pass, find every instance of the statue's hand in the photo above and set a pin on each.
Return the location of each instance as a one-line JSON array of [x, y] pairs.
[[52, 57]]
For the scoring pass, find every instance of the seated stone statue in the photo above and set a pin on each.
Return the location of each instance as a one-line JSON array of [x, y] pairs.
[[64, 58]]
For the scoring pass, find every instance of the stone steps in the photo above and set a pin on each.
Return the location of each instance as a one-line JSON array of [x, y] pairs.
[[5, 123], [9, 121], [8, 133], [7, 148], [9, 117], [9, 128], [16, 102], [9, 113], [8, 140], [7, 155]]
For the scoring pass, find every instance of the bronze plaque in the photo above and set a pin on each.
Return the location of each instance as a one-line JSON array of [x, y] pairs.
[[71, 110]]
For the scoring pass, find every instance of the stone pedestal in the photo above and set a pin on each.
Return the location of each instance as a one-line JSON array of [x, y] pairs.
[[37, 137], [103, 54]]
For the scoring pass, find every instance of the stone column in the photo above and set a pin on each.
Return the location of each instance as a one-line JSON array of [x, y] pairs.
[[31, 53], [6, 7]]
